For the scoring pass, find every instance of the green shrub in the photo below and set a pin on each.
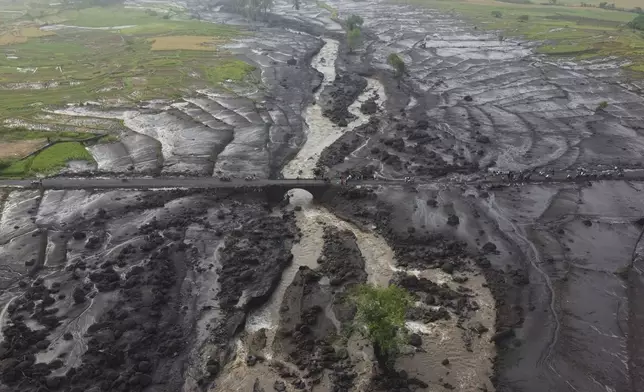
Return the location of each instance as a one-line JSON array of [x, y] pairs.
[[524, 18], [497, 14], [602, 106], [637, 23], [397, 64]]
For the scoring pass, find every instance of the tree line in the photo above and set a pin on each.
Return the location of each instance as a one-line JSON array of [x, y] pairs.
[[611, 6]]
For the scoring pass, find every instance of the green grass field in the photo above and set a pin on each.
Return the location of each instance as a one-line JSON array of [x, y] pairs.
[[14, 134], [76, 65], [565, 30], [48, 161]]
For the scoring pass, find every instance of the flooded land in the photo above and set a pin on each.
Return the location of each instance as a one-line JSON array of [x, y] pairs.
[[500, 186]]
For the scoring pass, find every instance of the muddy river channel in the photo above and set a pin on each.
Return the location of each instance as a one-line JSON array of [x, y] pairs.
[[518, 284]]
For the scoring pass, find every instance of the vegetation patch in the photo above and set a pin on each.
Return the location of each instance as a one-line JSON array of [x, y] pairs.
[[15, 134], [108, 139], [381, 317], [328, 7], [638, 23], [48, 161], [11, 168], [565, 49], [184, 42], [56, 157], [637, 68], [228, 70], [147, 56]]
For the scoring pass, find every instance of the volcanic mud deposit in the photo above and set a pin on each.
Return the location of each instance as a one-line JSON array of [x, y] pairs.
[[301, 338], [339, 103], [191, 290], [470, 104], [526, 286], [122, 292]]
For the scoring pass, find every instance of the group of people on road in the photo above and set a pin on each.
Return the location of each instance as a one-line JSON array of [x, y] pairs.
[[580, 173]]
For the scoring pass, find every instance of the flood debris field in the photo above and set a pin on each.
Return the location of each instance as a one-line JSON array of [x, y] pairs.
[[521, 286]]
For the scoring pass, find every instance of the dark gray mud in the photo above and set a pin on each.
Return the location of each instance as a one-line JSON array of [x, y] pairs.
[[556, 259], [554, 256], [470, 102], [127, 295]]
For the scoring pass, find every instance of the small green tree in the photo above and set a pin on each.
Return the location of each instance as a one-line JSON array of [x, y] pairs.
[[637, 23], [398, 65], [381, 315], [354, 21], [497, 14], [354, 37], [524, 18]]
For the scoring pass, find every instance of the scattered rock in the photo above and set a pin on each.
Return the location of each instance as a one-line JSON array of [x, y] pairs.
[[453, 220], [479, 328], [447, 267], [251, 360], [279, 386], [79, 235], [445, 362], [212, 367], [460, 279], [93, 243], [503, 335], [415, 340], [422, 124], [78, 295], [257, 387], [489, 247], [369, 106]]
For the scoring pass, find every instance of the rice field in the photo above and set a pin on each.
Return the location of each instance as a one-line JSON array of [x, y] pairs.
[[52, 57]]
